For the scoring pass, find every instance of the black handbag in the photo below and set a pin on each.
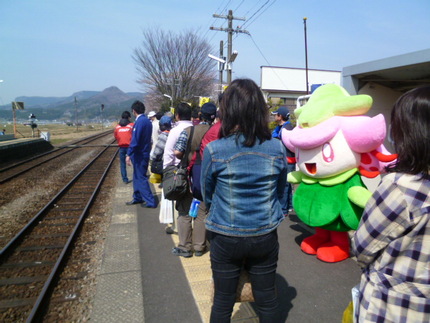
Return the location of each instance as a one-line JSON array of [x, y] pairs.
[[157, 166], [175, 182], [175, 178]]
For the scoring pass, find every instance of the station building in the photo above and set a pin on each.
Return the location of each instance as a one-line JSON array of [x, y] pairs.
[[385, 80]]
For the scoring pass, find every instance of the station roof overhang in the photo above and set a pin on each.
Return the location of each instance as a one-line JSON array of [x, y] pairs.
[[400, 73]]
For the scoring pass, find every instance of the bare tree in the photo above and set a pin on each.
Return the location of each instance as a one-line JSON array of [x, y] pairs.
[[174, 64]]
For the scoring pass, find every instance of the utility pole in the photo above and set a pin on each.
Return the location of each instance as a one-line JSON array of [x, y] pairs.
[[221, 54], [230, 32], [175, 93], [101, 113], [76, 115]]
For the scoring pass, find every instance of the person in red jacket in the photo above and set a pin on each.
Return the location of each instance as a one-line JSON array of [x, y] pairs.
[[123, 132]]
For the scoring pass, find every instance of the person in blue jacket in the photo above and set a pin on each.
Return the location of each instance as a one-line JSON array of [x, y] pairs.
[[282, 117], [243, 181], [138, 155]]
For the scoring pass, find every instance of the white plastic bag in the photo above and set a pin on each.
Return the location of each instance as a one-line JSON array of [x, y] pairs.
[[166, 209], [355, 301]]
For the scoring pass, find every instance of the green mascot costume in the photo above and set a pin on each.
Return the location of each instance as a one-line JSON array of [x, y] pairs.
[[335, 145]]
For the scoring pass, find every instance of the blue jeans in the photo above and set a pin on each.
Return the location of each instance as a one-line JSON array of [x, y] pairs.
[[259, 256], [122, 155], [287, 201]]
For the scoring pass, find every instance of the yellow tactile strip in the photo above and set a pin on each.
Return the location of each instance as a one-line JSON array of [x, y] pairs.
[[199, 275]]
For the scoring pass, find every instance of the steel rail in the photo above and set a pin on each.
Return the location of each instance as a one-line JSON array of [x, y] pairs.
[[11, 244], [51, 151], [37, 309], [6, 179]]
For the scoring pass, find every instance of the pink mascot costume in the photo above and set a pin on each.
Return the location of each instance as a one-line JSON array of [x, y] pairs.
[[334, 144]]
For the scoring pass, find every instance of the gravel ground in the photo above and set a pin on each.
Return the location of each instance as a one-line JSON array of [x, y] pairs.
[[22, 198], [73, 297]]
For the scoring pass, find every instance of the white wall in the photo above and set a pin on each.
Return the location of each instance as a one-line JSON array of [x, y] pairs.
[[383, 101], [294, 79]]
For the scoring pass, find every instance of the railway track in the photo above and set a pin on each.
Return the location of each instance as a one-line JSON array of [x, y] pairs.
[[20, 168], [30, 263]]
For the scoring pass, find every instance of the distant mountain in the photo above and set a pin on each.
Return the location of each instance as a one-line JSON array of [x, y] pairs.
[[87, 106], [112, 94]]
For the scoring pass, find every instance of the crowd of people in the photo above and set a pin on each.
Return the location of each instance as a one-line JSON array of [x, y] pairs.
[[226, 142]]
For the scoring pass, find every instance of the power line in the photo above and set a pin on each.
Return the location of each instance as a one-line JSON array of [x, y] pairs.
[[225, 8], [252, 8], [258, 48], [213, 21], [257, 11], [270, 65], [249, 22], [230, 30], [239, 5]]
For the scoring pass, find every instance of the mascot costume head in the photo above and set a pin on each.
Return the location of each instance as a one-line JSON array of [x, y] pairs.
[[334, 144]]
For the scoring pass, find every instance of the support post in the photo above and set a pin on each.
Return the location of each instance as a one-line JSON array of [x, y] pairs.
[[306, 56]]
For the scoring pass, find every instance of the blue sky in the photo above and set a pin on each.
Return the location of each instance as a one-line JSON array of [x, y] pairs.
[[58, 47]]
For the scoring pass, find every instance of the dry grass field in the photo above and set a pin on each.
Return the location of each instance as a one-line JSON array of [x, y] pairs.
[[59, 133]]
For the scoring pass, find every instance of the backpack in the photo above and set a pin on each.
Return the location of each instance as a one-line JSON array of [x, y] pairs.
[[195, 165]]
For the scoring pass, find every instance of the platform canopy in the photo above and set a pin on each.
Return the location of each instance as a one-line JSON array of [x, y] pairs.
[[400, 73]]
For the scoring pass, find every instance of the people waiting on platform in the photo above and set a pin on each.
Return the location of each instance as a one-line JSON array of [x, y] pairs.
[[192, 229], [123, 133], [282, 117], [243, 181], [138, 156], [183, 121], [165, 125], [195, 117], [152, 116], [392, 241]]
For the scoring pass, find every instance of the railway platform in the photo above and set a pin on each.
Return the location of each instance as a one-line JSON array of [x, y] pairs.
[[21, 148], [141, 281]]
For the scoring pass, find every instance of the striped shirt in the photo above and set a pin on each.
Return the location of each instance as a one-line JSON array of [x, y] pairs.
[[392, 245], [158, 151]]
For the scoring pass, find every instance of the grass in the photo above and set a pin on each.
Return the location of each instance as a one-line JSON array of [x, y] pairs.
[[59, 133]]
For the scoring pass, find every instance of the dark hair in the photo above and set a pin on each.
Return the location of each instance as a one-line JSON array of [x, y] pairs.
[[139, 107], [220, 97], [126, 115], [165, 126], [285, 118], [195, 114], [410, 131], [123, 122], [183, 110], [209, 118], [244, 111], [158, 115]]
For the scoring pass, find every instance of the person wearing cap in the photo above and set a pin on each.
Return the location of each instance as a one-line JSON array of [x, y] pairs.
[[155, 129], [165, 124], [193, 237], [282, 117]]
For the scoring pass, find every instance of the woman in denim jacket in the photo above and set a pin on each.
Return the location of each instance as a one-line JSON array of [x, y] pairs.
[[243, 182]]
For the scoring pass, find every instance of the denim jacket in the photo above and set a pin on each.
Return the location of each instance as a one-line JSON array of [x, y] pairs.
[[243, 186]]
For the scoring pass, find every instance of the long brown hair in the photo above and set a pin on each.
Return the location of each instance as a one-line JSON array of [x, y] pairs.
[[244, 111], [410, 130]]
